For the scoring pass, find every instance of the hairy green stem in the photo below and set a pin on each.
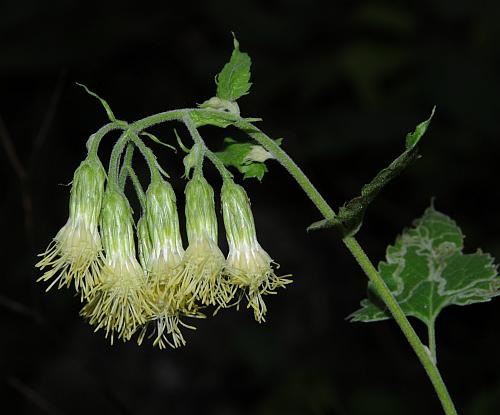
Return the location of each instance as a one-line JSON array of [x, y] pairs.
[[216, 161], [128, 171], [137, 187], [95, 139], [199, 149], [385, 294], [405, 326], [114, 160], [174, 115], [219, 165], [284, 159], [431, 332], [154, 167], [127, 161], [364, 262]]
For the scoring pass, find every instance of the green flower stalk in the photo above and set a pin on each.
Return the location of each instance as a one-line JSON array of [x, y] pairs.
[[164, 257], [75, 254], [248, 266], [200, 275], [119, 303]]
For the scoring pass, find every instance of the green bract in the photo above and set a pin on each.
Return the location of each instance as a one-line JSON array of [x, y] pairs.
[[201, 219], [87, 191], [117, 227], [143, 242]]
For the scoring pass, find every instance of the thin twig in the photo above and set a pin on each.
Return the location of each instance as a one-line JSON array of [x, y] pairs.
[[33, 396], [19, 308], [22, 176], [47, 119], [23, 171], [11, 152]]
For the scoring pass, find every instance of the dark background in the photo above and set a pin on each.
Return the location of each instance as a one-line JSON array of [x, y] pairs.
[[342, 82]]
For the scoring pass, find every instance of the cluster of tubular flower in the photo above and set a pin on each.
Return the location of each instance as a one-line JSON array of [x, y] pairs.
[[138, 278]]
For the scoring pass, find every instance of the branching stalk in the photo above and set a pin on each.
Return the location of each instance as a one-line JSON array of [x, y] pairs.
[[127, 161], [219, 165], [199, 149], [95, 139], [154, 167], [128, 171], [114, 160]]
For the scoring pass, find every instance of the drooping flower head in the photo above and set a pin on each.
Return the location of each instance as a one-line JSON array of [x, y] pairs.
[[118, 303], [248, 266], [75, 253], [200, 275], [164, 256]]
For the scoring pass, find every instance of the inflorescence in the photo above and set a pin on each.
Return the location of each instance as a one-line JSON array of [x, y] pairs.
[[138, 278]]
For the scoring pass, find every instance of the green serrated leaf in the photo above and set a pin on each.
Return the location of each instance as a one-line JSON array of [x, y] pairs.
[[254, 170], [216, 118], [350, 216], [234, 80], [235, 152], [427, 271], [248, 158]]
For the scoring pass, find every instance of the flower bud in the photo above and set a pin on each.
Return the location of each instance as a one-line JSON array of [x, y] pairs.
[[75, 253], [200, 276], [119, 304], [248, 266]]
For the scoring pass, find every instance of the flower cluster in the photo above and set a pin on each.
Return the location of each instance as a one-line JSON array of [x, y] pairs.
[[138, 278]]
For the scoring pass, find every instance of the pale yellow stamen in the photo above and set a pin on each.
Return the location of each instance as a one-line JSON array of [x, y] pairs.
[[251, 270], [119, 303], [75, 255], [166, 314], [200, 276]]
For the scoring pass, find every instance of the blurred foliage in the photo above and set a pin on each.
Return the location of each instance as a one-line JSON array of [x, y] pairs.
[[342, 82]]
